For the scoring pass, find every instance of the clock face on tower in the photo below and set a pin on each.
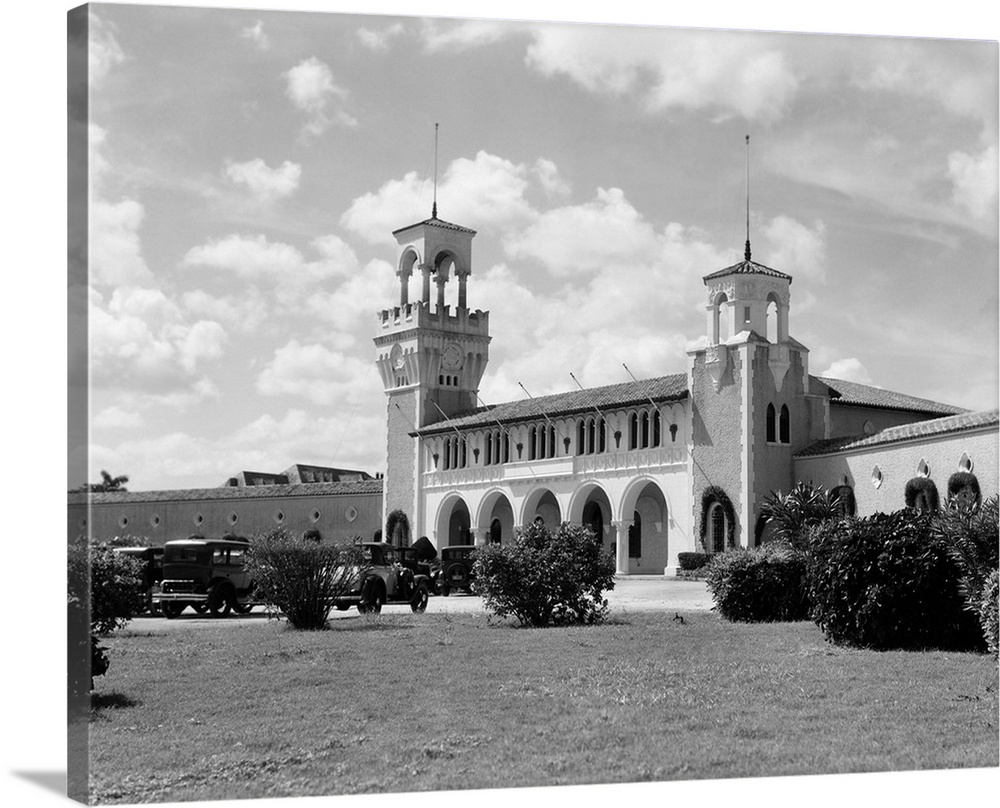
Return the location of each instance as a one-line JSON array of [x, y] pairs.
[[451, 358]]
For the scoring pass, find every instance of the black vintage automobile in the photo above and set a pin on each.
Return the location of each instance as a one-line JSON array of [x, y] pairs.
[[456, 568], [386, 580], [207, 575]]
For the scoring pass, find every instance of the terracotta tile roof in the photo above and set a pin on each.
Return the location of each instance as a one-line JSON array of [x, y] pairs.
[[626, 394], [359, 488], [842, 392], [437, 223], [964, 422], [748, 267]]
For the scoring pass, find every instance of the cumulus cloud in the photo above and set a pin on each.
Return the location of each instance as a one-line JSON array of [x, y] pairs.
[[311, 88], [140, 340], [104, 52], [311, 371], [115, 247], [266, 184], [548, 175], [721, 72], [245, 312], [488, 190], [975, 181], [440, 36], [796, 249], [255, 33], [850, 370], [378, 40], [117, 418]]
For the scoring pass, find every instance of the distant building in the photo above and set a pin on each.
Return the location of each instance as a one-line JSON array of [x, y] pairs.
[[339, 503], [657, 466]]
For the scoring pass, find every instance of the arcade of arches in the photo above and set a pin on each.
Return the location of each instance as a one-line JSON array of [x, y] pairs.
[[634, 528]]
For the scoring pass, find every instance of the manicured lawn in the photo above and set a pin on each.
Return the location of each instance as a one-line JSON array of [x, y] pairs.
[[404, 702]]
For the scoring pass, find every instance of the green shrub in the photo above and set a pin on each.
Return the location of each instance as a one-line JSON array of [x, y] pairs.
[[105, 590], [988, 617], [397, 528], [692, 561], [885, 581], [792, 515], [545, 578], [303, 578], [761, 585]]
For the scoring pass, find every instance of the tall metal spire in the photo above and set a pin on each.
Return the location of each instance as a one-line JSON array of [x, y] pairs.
[[746, 252], [434, 207]]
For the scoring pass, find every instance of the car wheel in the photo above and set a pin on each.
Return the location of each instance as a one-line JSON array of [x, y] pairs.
[[242, 608], [419, 601], [220, 600], [171, 609]]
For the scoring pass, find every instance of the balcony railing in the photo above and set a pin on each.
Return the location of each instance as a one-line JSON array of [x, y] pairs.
[[554, 467]]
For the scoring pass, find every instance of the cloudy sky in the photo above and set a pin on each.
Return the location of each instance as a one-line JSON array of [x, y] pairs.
[[248, 167]]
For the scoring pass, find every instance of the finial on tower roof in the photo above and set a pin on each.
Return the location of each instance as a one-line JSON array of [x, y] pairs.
[[746, 252], [434, 207]]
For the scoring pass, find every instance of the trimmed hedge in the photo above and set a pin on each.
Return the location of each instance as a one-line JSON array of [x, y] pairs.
[[886, 581], [689, 562], [963, 490], [762, 585], [921, 493]]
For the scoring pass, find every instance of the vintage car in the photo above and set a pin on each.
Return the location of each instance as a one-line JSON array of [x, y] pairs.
[[456, 568], [207, 575], [386, 580], [151, 559]]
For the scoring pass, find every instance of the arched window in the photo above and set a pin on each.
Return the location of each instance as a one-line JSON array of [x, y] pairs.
[[673, 433], [552, 441], [580, 443], [506, 447], [495, 532], [771, 424], [783, 427], [447, 454], [590, 435], [633, 431], [488, 453], [645, 430], [717, 521], [602, 436], [720, 324], [656, 428], [635, 537], [532, 437]]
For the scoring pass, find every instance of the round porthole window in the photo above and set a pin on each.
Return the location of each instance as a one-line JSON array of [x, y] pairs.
[[198, 519], [154, 520], [923, 470], [351, 514], [123, 521], [82, 523], [233, 518], [876, 477], [965, 464], [315, 515], [279, 517]]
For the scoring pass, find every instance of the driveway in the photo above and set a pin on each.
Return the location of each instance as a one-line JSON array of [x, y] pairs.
[[631, 593]]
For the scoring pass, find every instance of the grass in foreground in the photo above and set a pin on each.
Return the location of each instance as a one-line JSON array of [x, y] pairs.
[[403, 702]]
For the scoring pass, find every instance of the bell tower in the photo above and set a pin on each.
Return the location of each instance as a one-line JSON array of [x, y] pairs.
[[431, 355]]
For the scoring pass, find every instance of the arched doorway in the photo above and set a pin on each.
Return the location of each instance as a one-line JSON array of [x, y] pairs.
[[646, 507], [454, 523], [542, 504], [595, 513]]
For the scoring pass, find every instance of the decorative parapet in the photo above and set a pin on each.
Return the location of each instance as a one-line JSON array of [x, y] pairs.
[[638, 460], [419, 315]]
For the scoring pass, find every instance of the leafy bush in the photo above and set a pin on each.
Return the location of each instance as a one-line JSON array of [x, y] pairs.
[[105, 590], [692, 561], [545, 578], [963, 490], [792, 515], [988, 617], [885, 581], [397, 528], [761, 585], [303, 578]]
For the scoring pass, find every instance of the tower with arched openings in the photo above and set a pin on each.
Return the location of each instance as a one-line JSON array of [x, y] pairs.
[[430, 353]]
